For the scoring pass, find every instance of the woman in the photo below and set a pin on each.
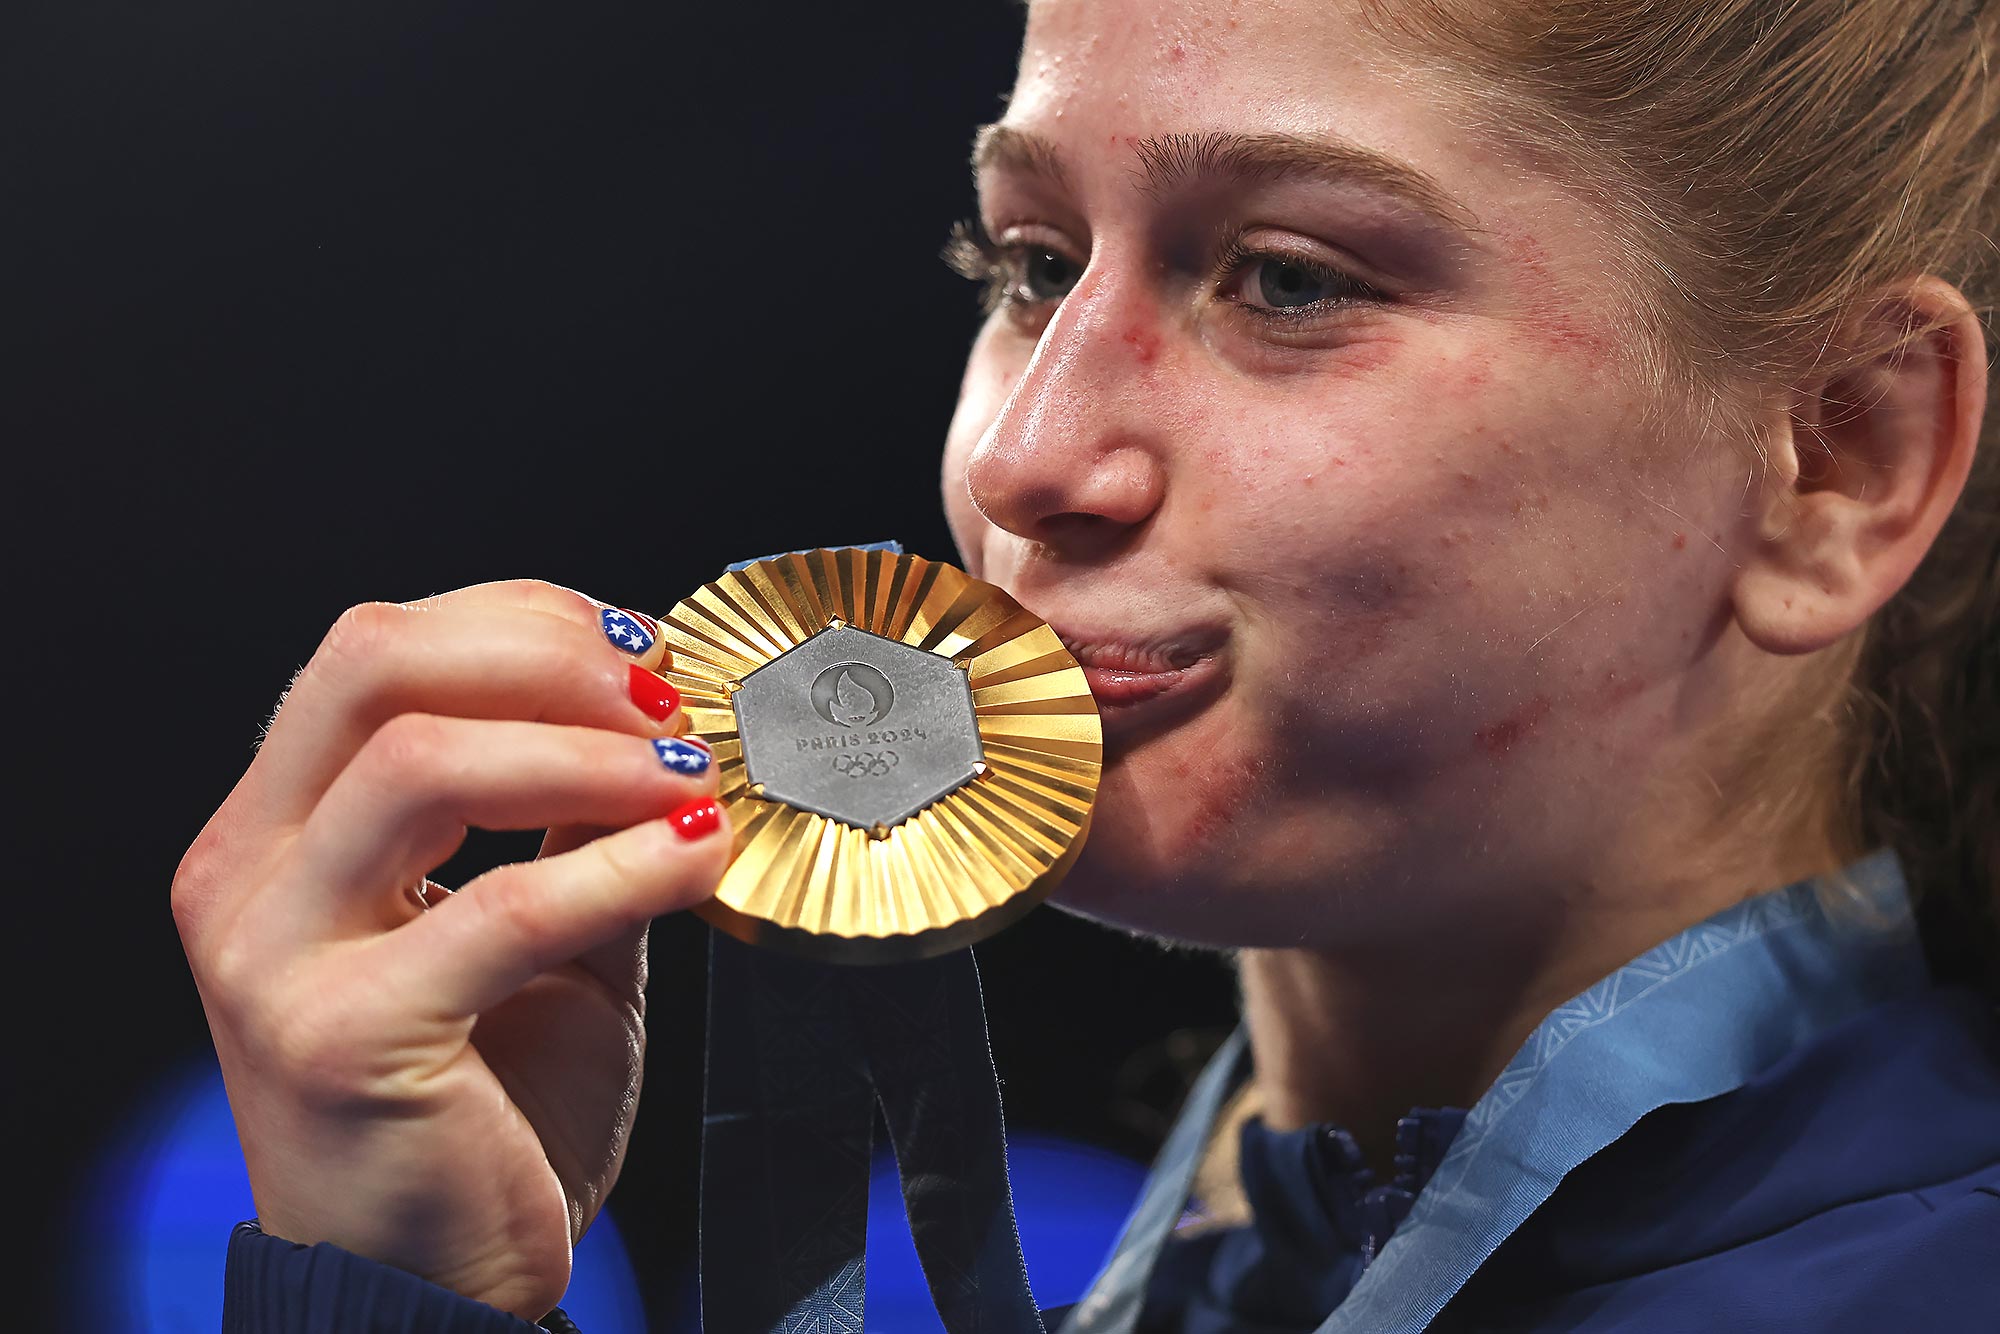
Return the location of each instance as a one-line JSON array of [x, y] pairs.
[[1510, 474]]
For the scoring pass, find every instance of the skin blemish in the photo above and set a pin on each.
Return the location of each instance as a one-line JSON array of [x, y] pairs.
[[1557, 325], [1145, 346], [1504, 735], [1680, 541], [1619, 687]]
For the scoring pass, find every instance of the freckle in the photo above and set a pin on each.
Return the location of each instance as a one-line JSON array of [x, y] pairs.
[[1680, 541]]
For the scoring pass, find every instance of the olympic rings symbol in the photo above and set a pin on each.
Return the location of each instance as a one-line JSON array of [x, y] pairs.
[[866, 763]]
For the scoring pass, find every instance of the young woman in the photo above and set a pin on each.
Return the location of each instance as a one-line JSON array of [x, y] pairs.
[[1510, 472]]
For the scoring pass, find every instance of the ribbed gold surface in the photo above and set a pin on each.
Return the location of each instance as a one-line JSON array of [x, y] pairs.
[[962, 867]]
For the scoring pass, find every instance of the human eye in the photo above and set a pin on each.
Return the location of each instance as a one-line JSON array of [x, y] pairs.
[[1025, 277], [1277, 285]]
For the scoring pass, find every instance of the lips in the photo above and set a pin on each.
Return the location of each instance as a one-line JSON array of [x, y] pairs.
[[1144, 684]]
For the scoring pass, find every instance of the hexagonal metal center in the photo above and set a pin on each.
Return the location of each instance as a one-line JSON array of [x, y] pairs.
[[857, 728]]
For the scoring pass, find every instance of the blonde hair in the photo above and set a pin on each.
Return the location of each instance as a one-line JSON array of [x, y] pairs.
[[1768, 168]]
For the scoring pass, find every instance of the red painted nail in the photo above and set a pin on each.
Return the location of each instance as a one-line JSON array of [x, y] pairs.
[[652, 626], [699, 744], [700, 816], [654, 694]]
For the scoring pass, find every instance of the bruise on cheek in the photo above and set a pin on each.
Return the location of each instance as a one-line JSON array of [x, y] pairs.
[[1365, 355], [1223, 793], [1510, 731]]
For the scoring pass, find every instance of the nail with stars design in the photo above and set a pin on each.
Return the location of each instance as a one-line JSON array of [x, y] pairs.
[[633, 633], [680, 756]]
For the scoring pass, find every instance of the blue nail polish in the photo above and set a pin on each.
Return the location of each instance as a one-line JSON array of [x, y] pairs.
[[626, 630], [680, 756]]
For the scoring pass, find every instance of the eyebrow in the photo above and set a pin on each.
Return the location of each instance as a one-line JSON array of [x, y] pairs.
[[1172, 161]]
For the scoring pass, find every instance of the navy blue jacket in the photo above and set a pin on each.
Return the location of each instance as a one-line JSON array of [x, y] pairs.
[[1772, 1123], [1854, 1186]]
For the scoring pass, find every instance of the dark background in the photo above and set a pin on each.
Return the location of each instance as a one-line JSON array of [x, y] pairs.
[[306, 304]]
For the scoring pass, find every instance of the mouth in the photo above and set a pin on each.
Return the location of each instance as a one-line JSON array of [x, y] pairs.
[[1145, 684]]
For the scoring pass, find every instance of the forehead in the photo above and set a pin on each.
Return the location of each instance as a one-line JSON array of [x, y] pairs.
[[1294, 66], [1098, 76]]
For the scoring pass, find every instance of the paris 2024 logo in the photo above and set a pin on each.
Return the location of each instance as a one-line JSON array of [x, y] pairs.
[[852, 694]]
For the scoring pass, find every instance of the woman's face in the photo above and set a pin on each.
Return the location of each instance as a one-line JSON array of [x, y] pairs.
[[1304, 423]]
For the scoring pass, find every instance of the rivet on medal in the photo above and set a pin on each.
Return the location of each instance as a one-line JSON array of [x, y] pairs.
[[908, 757]]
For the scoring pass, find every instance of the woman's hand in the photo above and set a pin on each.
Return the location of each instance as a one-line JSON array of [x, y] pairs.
[[449, 1091]]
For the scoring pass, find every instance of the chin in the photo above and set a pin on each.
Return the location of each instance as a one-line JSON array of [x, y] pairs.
[[1140, 871]]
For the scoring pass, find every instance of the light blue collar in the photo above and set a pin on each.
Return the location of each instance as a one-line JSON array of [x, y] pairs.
[[1690, 1019]]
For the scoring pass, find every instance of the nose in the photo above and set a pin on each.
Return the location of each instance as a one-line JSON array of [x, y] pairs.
[[1074, 461]]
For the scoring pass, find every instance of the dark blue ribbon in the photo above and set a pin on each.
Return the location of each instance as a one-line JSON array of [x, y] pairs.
[[800, 1054]]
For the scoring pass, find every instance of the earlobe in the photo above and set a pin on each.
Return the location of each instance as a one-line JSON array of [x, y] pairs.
[[1864, 470]]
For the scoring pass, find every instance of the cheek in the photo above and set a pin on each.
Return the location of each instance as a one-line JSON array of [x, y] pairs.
[[1426, 525]]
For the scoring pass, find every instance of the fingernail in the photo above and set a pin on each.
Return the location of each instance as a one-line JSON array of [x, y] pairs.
[[629, 631], [697, 741], [654, 694], [698, 817], [681, 757]]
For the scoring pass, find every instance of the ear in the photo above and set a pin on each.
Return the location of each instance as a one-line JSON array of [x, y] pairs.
[[1865, 470]]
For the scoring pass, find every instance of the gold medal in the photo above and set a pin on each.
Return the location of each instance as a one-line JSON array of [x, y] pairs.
[[907, 756]]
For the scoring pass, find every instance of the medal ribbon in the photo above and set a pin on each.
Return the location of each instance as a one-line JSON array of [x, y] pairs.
[[800, 1055]]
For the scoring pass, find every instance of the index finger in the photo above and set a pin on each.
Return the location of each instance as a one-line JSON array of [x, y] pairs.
[[518, 649], [556, 600]]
